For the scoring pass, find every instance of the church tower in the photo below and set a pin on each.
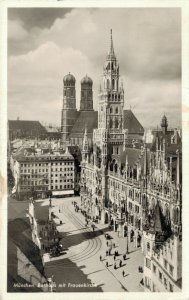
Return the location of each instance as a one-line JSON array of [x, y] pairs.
[[111, 102], [164, 124], [86, 94], [69, 107]]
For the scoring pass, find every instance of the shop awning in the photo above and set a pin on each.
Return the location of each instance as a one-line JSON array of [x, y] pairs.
[[61, 193]]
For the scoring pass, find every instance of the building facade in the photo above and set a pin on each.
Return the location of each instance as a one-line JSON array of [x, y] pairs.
[[135, 187], [44, 174]]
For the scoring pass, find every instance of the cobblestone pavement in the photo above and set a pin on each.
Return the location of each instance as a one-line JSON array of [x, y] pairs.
[[80, 262]]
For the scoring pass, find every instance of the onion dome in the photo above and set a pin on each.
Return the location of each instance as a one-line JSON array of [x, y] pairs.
[[69, 79], [164, 122], [86, 80]]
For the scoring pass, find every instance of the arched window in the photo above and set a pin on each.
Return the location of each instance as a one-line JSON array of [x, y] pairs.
[[111, 110], [111, 123], [113, 84], [108, 83], [116, 110], [116, 123]]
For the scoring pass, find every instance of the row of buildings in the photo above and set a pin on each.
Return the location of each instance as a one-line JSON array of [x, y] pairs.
[[135, 188]]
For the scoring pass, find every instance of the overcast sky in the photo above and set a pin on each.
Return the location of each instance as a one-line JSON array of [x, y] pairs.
[[44, 44]]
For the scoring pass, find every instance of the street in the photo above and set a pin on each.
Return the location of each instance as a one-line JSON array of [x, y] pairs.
[[79, 268]]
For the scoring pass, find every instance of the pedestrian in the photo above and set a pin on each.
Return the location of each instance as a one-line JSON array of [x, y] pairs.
[[120, 264], [115, 267], [115, 253], [110, 252], [107, 264], [114, 257], [139, 269], [114, 245], [123, 273], [100, 258], [106, 252], [107, 243]]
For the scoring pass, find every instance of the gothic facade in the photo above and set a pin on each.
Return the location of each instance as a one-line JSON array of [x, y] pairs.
[[133, 188]]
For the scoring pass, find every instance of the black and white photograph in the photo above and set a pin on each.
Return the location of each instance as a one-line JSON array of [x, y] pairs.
[[94, 150]]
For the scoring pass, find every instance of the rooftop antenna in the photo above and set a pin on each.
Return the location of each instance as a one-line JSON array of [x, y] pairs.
[[132, 106]]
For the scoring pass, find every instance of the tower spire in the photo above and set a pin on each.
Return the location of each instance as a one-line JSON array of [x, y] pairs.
[[111, 49]]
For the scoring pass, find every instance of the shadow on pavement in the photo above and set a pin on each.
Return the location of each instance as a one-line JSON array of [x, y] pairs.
[[70, 278], [76, 239]]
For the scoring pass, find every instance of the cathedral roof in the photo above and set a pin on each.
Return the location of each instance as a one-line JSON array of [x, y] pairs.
[[131, 123], [86, 119], [86, 80]]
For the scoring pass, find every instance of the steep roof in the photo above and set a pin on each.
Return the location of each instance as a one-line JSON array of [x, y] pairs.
[[86, 119], [25, 126], [131, 123], [169, 147]]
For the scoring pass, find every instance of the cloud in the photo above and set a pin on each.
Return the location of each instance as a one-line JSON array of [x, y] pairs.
[[16, 31], [147, 44]]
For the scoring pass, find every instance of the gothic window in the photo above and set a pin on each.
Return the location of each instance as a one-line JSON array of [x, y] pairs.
[[111, 110], [116, 110], [112, 66], [116, 123], [117, 150], [111, 123], [113, 84], [108, 83]]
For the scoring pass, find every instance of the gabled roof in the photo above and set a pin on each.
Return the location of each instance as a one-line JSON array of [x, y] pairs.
[[131, 123], [170, 148]]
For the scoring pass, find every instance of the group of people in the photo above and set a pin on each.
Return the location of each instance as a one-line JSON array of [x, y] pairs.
[[116, 253], [140, 269]]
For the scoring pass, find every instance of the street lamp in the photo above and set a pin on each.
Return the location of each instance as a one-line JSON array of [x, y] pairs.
[[126, 214]]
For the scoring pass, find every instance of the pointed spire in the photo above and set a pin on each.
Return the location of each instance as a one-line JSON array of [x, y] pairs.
[[111, 50], [85, 134], [159, 224]]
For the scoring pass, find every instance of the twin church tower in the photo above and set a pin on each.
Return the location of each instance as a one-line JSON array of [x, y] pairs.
[[111, 117], [69, 112]]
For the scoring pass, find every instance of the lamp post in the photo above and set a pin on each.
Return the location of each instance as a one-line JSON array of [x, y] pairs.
[[126, 214]]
